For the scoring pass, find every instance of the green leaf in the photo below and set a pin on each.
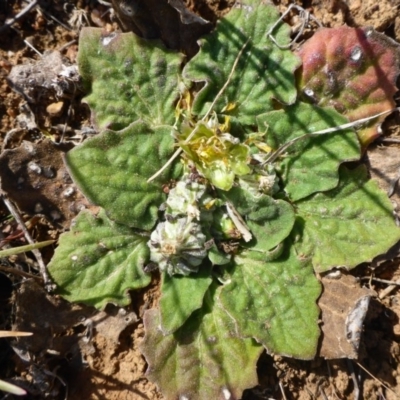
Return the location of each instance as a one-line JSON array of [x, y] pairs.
[[312, 163], [180, 296], [98, 261], [275, 303], [264, 71], [111, 169], [202, 360], [269, 220], [346, 226], [128, 78], [218, 257]]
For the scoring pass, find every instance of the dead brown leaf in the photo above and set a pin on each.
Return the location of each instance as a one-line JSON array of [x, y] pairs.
[[344, 305]]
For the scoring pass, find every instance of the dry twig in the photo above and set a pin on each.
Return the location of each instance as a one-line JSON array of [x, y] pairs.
[[14, 212], [13, 20], [375, 378]]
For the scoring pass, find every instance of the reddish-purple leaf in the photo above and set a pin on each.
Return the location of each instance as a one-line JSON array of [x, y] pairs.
[[353, 70]]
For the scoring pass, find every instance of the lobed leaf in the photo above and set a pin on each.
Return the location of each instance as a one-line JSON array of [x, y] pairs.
[[275, 303], [264, 71], [346, 226], [311, 164], [180, 296], [111, 170], [128, 78], [202, 360], [354, 70], [98, 261]]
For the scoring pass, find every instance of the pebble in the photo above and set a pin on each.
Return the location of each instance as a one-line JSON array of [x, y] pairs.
[[55, 109]]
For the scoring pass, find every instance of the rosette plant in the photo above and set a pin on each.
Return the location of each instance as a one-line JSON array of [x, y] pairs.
[[225, 175]]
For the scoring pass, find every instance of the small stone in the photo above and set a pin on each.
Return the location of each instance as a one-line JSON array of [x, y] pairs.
[[55, 215], [38, 208], [35, 167], [68, 192], [28, 146], [396, 330], [48, 172], [55, 109]]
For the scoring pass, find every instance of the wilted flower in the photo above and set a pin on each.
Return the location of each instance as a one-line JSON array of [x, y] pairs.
[[178, 246], [185, 198]]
